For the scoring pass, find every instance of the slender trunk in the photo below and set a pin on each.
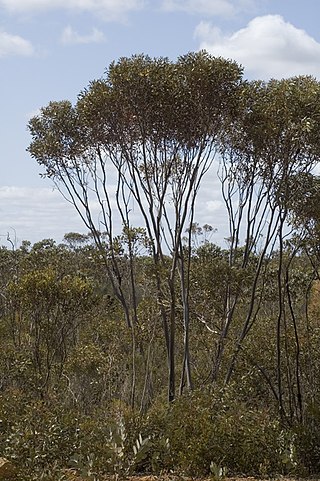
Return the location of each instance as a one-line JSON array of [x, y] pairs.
[[279, 322], [184, 287], [297, 346], [171, 352]]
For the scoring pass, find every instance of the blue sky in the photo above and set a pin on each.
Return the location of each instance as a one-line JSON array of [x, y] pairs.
[[51, 49]]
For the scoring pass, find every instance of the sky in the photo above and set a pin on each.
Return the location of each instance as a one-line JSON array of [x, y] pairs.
[[52, 49]]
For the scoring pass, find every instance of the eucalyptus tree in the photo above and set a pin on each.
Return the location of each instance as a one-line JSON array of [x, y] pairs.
[[273, 143], [152, 126]]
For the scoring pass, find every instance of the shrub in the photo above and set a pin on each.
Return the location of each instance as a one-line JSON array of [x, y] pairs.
[[308, 440], [205, 429]]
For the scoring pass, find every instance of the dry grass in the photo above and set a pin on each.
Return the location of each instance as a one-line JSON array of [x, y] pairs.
[[71, 475]]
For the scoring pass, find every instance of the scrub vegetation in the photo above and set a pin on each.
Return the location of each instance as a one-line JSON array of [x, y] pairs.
[[147, 348]]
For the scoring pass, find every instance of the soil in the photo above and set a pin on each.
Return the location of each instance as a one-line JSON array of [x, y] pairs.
[[74, 477]]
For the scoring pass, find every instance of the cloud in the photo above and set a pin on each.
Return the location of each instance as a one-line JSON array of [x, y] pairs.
[[108, 9], [14, 45], [210, 207], [40, 213], [43, 213], [213, 205], [70, 36], [35, 214], [267, 47], [208, 7]]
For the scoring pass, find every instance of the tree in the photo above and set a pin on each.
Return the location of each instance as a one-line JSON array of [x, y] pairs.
[[154, 126], [272, 145]]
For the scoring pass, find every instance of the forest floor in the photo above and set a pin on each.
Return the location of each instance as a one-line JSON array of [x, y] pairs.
[[186, 478], [234, 478]]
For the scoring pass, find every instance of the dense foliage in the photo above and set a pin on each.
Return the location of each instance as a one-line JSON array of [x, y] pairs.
[[66, 369], [150, 349]]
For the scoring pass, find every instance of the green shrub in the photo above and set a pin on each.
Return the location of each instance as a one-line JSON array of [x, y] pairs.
[[202, 433], [41, 437], [205, 429], [308, 440]]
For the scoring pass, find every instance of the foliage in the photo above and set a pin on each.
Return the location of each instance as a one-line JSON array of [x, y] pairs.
[[76, 421], [99, 332]]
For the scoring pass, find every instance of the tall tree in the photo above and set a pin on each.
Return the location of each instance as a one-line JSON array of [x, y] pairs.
[[274, 143], [153, 127]]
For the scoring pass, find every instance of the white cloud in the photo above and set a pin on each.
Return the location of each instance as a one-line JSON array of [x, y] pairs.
[[213, 205], [208, 7], [109, 9], [267, 47], [70, 36], [210, 207], [35, 214], [14, 45], [41, 213]]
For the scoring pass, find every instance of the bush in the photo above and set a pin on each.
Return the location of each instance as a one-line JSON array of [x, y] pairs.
[[308, 440], [205, 429], [41, 438], [198, 434]]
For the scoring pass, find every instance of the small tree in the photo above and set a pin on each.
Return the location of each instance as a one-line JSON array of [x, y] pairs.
[[50, 309]]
